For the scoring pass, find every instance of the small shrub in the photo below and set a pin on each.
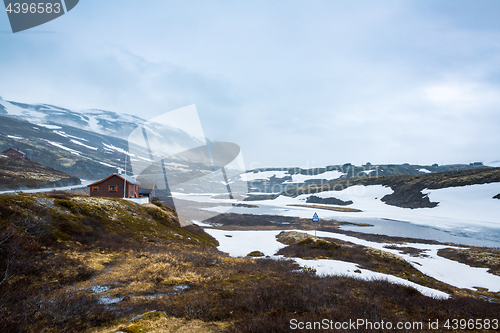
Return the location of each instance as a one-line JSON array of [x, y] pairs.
[[309, 270], [318, 244], [255, 254]]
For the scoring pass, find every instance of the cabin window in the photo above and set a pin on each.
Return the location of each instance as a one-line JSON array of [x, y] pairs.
[[95, 188], [113, 188]]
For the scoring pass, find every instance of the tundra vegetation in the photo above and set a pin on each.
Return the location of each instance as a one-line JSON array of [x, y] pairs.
[[72, 263]]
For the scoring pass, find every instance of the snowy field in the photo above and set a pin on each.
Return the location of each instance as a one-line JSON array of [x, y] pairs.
[[467, 207], [296, 178], [240, 243]]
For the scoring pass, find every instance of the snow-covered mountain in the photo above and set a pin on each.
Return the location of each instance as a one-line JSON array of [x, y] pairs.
[[93, 120], [89, 144]]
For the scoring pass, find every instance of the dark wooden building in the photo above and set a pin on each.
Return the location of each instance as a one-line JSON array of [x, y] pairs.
[[14, 153], [112, 187], [149, 192]]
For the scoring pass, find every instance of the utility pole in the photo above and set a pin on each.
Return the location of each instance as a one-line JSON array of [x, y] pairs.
[[125, 182]]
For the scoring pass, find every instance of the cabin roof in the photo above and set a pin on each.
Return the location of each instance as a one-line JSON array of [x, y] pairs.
[[16, 150], [113, 175]]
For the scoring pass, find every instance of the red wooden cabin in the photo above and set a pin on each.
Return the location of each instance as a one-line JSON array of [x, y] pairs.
[[14, 153], [112, 187]]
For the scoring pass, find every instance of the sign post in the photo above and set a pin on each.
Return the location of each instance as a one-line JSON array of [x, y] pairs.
[[315, 219]]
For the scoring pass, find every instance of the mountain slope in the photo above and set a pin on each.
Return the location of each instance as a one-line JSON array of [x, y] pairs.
[[16, 174], [275, 180], [94, 120], [78, 152], [407, 189]]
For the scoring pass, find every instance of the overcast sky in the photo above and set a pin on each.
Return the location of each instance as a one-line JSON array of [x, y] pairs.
[[294, 83]]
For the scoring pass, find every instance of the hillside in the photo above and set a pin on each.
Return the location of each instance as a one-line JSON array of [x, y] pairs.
[[94, 120], [275, 180], [407, 188], [77, 152], [80, 264], [88, 144], [17, 174]]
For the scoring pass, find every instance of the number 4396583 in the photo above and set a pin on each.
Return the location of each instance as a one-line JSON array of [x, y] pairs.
[[471, 324], [33, 8]]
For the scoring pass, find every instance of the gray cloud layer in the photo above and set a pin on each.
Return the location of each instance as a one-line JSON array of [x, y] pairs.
[[292, 82]]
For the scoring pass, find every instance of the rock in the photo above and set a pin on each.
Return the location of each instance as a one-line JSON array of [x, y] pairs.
[[255, 254], [149, 315], [328, 201]]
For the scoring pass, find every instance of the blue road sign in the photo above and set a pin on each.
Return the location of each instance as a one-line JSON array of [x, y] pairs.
[[315, 217]]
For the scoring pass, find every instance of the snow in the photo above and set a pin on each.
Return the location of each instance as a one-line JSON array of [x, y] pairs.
[[243, 242], [251, 176], [111, 147], [61, 133], [13, 110], [448, 271], [442, 269], [470, 206], [296, 178], [424, 170], [329, 175], [93, 124], [15, 137], [50, 126], [108, 165], [82, 144], [22, 113], [58, 145], [336, 267], [240, 243]]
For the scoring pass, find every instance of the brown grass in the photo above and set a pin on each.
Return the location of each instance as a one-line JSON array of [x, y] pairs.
[[475, 257], [52, 256], [337, 209], [304, 246]]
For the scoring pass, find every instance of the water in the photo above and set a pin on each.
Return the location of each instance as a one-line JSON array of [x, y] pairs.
[[473, 236]]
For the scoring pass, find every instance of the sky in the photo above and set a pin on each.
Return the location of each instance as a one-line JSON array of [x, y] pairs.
[[293, 83]]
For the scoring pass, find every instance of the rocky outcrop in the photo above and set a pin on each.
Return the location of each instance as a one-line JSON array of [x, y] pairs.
[[328, 201]]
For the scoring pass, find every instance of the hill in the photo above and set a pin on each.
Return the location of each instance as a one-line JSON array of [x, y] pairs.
[[17, 174], [275, 180], [407, 188], [93, 120], [77, 152], [79, 264]]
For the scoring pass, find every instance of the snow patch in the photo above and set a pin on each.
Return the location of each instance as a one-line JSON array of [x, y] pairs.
[[50, 126], [111, 147], [250, 176], [58, 145], [82, 144], [240, 243], [61, 133], [329, 175]]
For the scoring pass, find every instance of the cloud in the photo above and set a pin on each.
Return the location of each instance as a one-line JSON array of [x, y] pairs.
[[289, 81]]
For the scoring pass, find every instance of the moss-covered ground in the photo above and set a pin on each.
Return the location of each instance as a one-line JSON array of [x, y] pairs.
[[79, 264]]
